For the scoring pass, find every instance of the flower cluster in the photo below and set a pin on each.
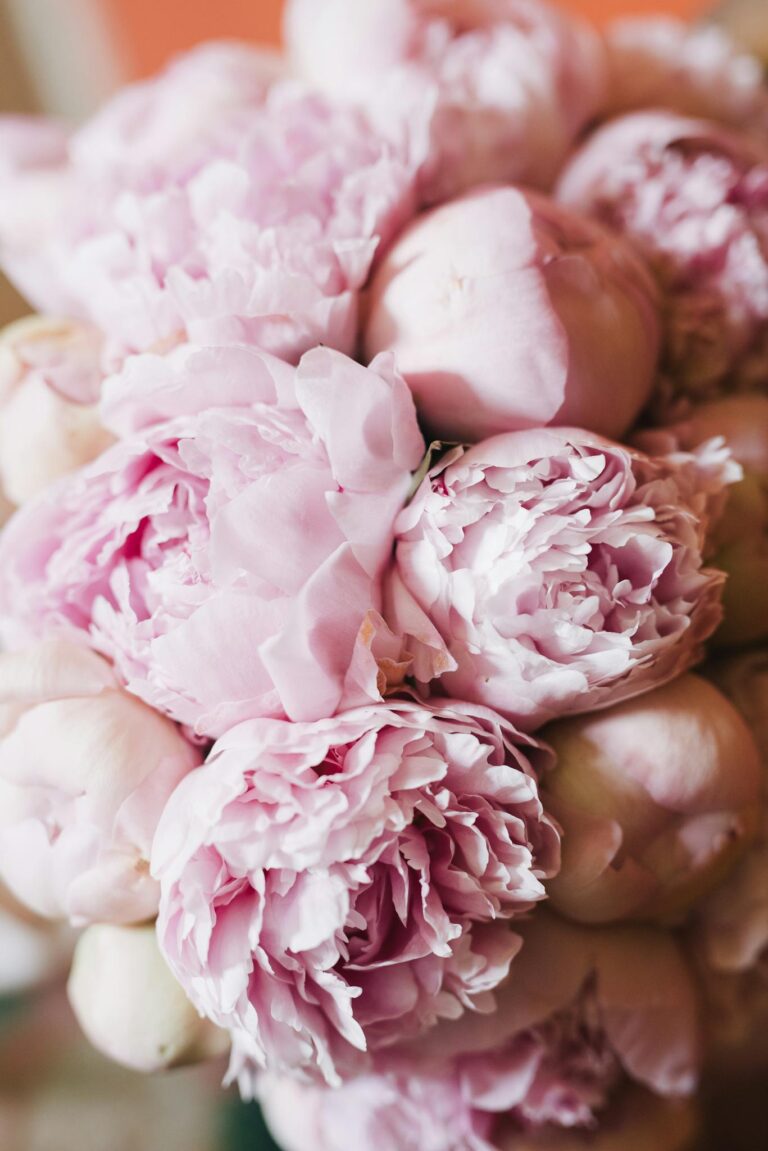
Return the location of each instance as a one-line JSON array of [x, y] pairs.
[[398, 447]]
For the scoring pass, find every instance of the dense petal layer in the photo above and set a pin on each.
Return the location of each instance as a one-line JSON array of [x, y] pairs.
[[330, 888]]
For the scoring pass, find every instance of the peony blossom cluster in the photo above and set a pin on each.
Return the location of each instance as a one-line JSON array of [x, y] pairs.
[[391, 456]]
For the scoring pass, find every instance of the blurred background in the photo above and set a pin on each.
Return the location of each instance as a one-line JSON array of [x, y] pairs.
[[56, 1094]]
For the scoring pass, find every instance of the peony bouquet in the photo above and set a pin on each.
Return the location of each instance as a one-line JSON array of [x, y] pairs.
[[389, 448]]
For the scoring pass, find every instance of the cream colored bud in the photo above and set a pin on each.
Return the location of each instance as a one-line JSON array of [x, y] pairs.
[[130, 1006]]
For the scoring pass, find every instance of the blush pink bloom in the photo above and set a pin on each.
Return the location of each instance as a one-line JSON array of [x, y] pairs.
[[506, 311], [510, 83], [697, 70], [550, 571], [330, 888], [582, 1013], [693, 199], [85, 770], [49, 423], [657, 798], [227, 557], [208, 205], [740, 537]]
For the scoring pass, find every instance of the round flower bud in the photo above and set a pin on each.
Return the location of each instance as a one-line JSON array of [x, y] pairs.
[[506, 311], [130, 1006], [657, 798], [85, 770]]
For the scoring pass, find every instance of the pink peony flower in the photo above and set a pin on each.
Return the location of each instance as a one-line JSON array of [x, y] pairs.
[[85, 770], [693, 199], [582, 1013], [49, 425], [227, 557], [329, 888], [740, 536], [208, 205], [507, 311], [697, 70], [551, 571], [657, 798], [510, 82], [130, 1006]]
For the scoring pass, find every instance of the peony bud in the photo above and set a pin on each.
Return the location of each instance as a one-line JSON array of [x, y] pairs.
[[85, 771], [130, 1006], [506, 311], [740, 537], [49, 385], [656, 798]]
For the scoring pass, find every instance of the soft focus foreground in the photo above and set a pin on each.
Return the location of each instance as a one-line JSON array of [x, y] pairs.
[[418, 788]]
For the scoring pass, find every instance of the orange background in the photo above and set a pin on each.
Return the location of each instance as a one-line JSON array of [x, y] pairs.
[[150, 30]]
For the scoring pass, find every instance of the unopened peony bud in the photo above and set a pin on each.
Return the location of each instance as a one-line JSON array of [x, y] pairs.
[[49, 385], [85, 771], [740, 537], [130, 1006], [656, 797], [507, 311]]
